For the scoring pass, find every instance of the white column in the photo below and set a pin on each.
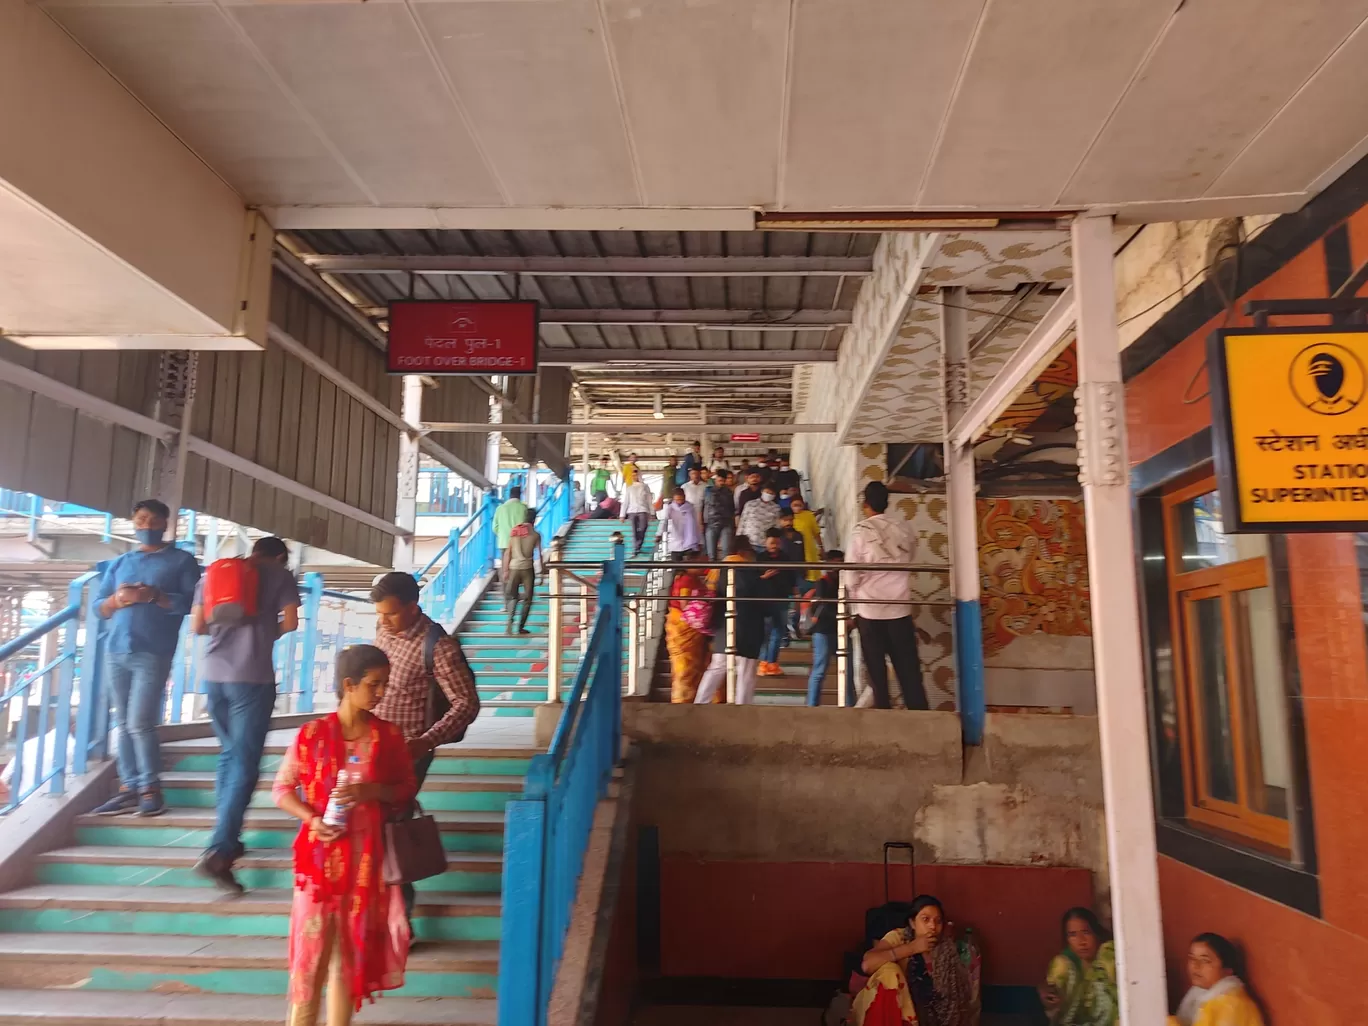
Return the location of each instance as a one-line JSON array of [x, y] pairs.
[[406, 508], [495, 437], [706, 447], [1117, 657], [960, 496], [175, 404]]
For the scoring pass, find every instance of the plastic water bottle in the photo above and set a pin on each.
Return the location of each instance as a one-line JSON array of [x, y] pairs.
[[335, 815]]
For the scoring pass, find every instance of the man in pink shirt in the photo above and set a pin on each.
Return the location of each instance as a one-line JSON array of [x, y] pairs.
[[883, 600]]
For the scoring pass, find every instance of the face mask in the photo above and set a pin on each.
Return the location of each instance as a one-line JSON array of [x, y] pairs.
[[150, 535], [767, 496]]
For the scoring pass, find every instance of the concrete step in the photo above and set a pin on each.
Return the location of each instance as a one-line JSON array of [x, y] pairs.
[[95, 1008], [448, 793], [267, 828], [114, 865], [228, 966], [206, 911]]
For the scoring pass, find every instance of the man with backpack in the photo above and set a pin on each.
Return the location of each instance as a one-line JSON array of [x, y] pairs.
[[431, 693], [520, 570], [243, 605]]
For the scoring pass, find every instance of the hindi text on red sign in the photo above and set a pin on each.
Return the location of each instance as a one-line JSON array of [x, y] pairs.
[[437, 337]]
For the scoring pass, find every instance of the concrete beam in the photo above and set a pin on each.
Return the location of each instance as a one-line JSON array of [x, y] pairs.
[[112, 232], [595, 267], [645, 427], [1046, 340], [553, 357]]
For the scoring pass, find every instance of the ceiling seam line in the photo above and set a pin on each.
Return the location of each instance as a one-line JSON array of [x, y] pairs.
[[633, 158], [1360, 27], [1140, 67], [785, 109], [455, 99], [944, 125], [241, 32]]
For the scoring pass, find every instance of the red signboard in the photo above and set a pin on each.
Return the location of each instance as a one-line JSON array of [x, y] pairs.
[[482, 337], [745, 438]]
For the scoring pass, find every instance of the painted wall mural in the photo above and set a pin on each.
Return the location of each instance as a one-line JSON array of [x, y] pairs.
[[1033, 566]]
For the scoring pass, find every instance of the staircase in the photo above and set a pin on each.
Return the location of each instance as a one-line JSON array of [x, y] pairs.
[[511, 670], [116, 929]]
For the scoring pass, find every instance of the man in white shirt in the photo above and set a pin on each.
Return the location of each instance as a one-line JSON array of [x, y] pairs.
[[694, 491], [883, 600], [636, 507]]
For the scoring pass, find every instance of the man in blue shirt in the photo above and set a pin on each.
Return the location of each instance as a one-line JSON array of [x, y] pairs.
[[238, 669], [144, 595]]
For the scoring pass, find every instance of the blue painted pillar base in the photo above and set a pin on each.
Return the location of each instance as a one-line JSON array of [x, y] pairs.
[[969, 669]]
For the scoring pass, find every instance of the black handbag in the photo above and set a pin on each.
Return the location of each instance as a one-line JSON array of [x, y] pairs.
[[413, 849]]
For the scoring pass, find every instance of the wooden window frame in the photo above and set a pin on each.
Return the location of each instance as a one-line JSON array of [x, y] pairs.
[[1226, 581]]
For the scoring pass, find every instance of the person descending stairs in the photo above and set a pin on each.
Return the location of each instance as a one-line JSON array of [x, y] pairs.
[[510, 671], [114, 926]]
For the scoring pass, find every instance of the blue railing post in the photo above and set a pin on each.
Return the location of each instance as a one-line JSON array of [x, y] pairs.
[[520, 994], [61, 727], [313, 600], [451, 575], [35, 515], [88, 690]]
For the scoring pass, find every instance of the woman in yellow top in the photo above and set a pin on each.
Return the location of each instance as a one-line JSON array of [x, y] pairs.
[[916, 977], [805, 523], [1218, 996]]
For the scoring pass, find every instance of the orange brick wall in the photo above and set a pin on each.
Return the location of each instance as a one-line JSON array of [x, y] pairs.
[[1307, 971]]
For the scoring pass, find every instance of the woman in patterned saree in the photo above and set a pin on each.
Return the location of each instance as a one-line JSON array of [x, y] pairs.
[[687, 633], [346, 923], [1080, 986], [915, 974]]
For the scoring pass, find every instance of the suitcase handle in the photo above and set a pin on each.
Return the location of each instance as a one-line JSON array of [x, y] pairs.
[[912, 865]]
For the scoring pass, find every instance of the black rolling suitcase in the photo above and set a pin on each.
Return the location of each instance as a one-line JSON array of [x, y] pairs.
[[891, 915]]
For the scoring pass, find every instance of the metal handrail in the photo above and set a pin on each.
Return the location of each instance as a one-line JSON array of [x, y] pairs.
[[546, 830], [634, 564]]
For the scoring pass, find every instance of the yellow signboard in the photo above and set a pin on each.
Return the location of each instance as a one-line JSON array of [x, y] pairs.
[[1290, 427]]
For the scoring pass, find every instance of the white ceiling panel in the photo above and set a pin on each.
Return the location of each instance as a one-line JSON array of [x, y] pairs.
[[1321, 124], [536, 78], [1020, 123], [870, 81], [365, 75], [704, 85], [189, 65], [1221, 71]]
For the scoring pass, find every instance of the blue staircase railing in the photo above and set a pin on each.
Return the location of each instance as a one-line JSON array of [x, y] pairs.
[[546, 830], [63, 698]]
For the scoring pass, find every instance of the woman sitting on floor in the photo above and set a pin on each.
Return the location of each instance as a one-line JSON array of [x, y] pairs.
[[1218, 996], [1080, 987], [915, 975]]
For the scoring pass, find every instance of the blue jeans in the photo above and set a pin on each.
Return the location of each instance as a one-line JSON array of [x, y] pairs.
[[241, 714], [137, 683], [717, 539], [776, 632], [822, 644]]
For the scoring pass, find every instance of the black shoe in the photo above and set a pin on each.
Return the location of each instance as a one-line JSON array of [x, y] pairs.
[[122, 804], [523, 630], [220, 871]]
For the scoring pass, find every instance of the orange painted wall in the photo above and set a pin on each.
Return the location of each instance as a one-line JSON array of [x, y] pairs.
[[1307, 971]]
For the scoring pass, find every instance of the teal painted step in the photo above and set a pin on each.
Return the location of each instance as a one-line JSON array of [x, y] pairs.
[[467, 873], [169, 964], [451, 794], [182, 828], [443, 765], [205, 912]]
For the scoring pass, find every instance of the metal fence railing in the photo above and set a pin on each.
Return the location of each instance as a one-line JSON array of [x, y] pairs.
[[546, 830]]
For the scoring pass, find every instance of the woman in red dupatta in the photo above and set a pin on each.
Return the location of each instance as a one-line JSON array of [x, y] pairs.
[[345, 921]]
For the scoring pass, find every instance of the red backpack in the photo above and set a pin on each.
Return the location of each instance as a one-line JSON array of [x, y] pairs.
[[230, 590]]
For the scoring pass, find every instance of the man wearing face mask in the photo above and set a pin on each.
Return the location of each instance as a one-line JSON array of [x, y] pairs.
[[144, 595], [758, 517]]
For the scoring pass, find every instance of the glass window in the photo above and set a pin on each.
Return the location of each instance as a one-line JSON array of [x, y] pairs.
[[1231, 691], [1203, 544]]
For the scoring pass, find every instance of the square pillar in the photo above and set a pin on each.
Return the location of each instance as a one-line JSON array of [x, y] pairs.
[[406, 506], [1117, 657]]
